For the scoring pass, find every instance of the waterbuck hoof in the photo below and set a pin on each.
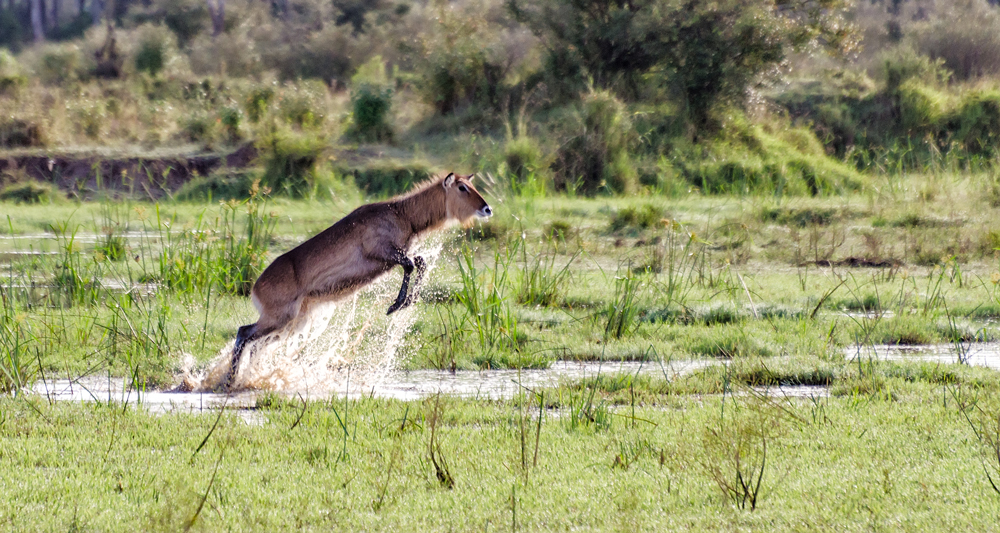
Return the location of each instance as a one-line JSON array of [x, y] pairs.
[[397, 306]]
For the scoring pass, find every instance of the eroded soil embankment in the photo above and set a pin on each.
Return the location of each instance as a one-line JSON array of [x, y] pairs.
[[87, 174]]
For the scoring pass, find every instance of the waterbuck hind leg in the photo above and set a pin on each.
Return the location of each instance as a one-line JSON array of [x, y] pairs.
[[408, 266], [401, 297], [244, 335]]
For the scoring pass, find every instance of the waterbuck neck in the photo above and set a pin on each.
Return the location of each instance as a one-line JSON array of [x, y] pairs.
[[424, 209]]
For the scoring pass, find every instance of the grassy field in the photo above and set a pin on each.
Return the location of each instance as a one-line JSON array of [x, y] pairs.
[[852, 463], [780, 292]]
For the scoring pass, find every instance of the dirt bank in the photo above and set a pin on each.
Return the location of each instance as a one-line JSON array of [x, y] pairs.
[[89, 175]]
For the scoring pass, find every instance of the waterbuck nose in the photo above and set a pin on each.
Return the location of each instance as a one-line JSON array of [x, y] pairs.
[[485, 212]]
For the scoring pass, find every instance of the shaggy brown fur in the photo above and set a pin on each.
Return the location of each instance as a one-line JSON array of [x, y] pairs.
[[354, 251]]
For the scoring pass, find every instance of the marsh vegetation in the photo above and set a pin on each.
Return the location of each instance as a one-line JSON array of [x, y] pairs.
[[778, 191]]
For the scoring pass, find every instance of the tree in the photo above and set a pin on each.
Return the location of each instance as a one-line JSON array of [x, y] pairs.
[[217, 12], [706, 51], [37, 26]]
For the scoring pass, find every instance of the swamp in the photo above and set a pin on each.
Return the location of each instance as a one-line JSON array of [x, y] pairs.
[[746, 279]]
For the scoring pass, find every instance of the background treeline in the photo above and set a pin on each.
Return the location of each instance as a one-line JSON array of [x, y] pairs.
[[583, 96]]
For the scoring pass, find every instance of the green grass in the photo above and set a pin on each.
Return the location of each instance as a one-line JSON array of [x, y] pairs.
[[912, 463]]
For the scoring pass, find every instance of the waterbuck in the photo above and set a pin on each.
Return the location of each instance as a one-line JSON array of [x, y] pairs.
[[358, 248]]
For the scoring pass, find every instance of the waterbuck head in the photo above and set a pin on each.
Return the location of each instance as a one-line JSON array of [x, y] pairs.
[[462, 201]]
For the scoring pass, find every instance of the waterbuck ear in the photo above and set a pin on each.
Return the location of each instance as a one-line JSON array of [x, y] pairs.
[[449, 180], [470, 177]]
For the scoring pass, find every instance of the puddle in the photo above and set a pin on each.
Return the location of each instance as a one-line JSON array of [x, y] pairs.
[[401, 385], [113, 390], [485, 384], [496, 384], [796, 391], [977, 353]]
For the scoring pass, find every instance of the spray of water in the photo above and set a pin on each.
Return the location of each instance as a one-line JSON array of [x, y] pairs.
[[345, 346]]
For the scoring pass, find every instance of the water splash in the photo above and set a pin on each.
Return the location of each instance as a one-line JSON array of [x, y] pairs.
[[345, 346]]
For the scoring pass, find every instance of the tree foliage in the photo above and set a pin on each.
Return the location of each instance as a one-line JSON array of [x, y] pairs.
[[706, 52]]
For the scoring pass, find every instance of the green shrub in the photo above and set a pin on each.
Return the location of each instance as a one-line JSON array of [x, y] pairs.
[[921, 108], [30, 192], [900, 65], [290, 162], [595, 157], [978, 122], [11, 77], [388, 178], [299, 112], [632, 218], [257, 103], [150, 56], [224, 184], [230, 118], [61, 64], [524, 158], [371, 105], [198, 129], [770, 159], [466, 61], [20, 133]]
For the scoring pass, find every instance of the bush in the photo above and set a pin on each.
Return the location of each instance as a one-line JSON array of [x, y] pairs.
[[921, 108], [387, 178], [302, 104], [595, 157], [224, 184], [257, 103], [230, 118], [775, 160], [899, 65], [20, 133], [30, 192], [61, 64], [636, 218], [371, 105], [523, 157], [197, 129], [329, 54], [11, 78], [467, 59], [151, 52], [290, 162], [977, 122], [710, 53]]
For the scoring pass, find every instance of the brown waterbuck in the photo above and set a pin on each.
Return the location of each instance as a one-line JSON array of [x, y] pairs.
[[358, 248]]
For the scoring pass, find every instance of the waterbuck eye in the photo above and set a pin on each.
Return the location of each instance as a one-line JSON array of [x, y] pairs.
[[463, 188]]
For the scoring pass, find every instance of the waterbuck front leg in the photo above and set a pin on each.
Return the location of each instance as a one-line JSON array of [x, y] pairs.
[[404, 298]]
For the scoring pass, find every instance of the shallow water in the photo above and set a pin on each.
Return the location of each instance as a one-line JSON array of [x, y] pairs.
[[976, 354], [402, 385], [485, 384]]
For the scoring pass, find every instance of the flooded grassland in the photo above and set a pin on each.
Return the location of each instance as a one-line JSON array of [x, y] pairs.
[[706, 363]]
